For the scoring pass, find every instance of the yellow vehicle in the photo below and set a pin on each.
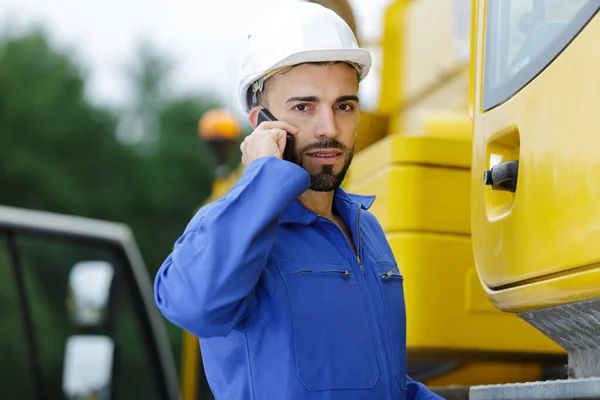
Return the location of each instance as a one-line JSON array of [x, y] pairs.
[[534, 186]]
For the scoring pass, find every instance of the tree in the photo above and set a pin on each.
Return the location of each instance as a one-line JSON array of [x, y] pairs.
[[60, 153], [54, 145]]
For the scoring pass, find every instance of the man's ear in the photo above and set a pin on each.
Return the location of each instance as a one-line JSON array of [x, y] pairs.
[[253, 116]]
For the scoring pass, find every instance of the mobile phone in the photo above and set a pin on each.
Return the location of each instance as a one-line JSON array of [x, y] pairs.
[[288, 152]]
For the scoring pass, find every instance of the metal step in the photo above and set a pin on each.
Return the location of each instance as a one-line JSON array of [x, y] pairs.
[[584, 388]]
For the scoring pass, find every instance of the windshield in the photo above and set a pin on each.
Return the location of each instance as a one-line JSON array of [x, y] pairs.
[[523, 36]]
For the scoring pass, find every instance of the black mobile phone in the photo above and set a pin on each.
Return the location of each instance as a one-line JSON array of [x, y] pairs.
[[288, 152]]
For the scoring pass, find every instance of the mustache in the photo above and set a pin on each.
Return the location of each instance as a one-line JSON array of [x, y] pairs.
[[324, 144]]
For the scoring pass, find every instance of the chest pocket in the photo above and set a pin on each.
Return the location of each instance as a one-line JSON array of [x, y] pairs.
[[333, 344], [391, 283]]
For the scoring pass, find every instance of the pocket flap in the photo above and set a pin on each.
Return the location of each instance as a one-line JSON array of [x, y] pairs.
[[291, 267], [387, 270]]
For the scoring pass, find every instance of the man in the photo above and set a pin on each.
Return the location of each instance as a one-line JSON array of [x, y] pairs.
[[287, 280]]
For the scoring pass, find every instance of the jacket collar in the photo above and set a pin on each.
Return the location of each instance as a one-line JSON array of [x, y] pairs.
[[344, 202]]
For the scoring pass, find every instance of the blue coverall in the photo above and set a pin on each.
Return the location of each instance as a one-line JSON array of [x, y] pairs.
[[283, 307]]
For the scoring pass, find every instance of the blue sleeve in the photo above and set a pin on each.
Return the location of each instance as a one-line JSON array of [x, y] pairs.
[[418, 391], [206, 285]]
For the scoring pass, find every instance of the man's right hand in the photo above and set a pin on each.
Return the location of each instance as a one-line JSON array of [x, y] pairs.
[[268, 139]]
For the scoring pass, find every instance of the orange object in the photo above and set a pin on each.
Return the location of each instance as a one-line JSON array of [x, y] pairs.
[[218, 124]]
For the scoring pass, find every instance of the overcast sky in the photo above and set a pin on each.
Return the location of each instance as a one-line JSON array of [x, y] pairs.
[[203, 37]]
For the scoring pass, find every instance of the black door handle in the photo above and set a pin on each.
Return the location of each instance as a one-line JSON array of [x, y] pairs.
[[503, 176]]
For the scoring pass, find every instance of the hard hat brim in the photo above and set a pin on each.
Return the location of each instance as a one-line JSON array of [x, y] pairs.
[[361, 57]]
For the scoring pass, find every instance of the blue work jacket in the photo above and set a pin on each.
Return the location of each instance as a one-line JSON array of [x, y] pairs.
[[282, 305]]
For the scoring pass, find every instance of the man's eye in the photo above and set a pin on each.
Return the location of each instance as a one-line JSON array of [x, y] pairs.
[[346, 107], [301, 107]]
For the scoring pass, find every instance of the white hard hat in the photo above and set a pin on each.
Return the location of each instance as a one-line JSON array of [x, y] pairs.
[[298, 33]]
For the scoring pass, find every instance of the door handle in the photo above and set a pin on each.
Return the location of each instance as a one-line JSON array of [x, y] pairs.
[[503, 176]]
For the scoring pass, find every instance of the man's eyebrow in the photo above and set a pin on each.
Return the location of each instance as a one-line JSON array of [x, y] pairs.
[[308, 99], [347, 98], [315, 99]]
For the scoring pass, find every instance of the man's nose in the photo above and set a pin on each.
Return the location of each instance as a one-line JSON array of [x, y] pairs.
[[326, 124]]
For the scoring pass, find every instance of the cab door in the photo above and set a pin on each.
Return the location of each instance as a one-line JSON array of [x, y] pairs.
[[536, 151]]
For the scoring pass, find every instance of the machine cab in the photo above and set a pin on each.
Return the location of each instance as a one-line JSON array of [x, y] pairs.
[[535, 171]]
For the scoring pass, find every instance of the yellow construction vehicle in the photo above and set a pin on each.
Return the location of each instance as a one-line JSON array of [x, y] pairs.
[[534, 186]]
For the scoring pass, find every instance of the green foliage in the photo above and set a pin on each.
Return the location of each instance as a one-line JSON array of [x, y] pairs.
[[142, 165], [51, 139]]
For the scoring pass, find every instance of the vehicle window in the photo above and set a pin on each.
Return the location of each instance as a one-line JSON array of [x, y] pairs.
[[46, 266], [15, 369], [59, 298], [134, 379], [523, 37]]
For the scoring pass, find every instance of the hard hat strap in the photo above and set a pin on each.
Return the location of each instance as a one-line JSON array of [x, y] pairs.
[[257, 87]]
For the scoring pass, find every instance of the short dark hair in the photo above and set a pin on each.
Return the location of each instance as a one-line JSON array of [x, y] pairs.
[[261, 97]]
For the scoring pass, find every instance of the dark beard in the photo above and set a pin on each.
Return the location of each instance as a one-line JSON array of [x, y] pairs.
[[326, 180]]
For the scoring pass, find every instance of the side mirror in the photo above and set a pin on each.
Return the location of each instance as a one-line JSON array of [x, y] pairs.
[[88, 298], [88, 367]]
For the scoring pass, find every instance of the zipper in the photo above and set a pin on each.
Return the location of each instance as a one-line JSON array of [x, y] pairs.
[[358, 244], [388, 274], [357, 240], [345, 272]]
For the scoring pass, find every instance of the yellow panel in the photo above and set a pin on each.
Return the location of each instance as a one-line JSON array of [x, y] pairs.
[[412, 197], [489, 373], [371, 128], [443, 312], [548, 291], [424, 65], [448, 96], [432, 149], [549, 227], [455, 125], [431, 50], [392, 45]]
